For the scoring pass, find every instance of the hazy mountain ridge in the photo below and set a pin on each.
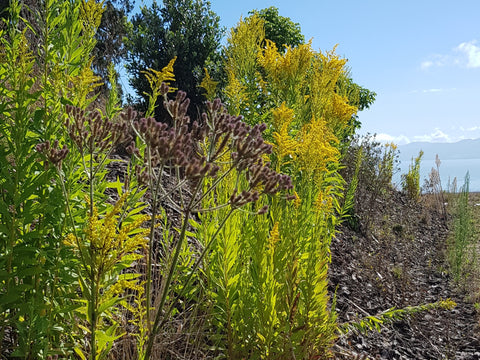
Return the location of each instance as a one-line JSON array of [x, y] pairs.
[[464, 149]]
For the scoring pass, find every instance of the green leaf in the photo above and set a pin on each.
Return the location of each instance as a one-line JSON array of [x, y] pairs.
[[107, 304], [79, 353], [117, 185], [66, 101]]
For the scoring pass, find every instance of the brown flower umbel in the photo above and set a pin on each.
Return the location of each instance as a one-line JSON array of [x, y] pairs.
[[180, 147], [91, 133], [53, 153]]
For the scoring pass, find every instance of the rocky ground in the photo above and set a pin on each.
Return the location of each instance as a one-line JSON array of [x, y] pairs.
[[399, 260]]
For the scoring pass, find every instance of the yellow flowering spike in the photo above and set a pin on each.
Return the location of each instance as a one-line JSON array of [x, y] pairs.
[[91, 13], [242, 48], [243, 45], [236, 93], [209, 85], [324, 101], [109, 245], [84, 84], [156, 78], [282, 115], [274, 236], [298, 201], [324, 202], [286, 72], [269, 57], [284, 145]]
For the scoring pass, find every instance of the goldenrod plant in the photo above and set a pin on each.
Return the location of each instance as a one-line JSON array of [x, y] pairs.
[[44, 66], [270, 273], [411, 180], [389, 316], [254, 186], [209, 85], [105, 250]]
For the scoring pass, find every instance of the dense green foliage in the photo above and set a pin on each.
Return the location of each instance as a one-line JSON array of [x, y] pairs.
[[38, 283], [186, 29], [121, 235], [110, 47], [280, 29]]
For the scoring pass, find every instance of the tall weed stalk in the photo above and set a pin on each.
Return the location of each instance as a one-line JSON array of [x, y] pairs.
[[41, 62], [462, 246], [274, 303]]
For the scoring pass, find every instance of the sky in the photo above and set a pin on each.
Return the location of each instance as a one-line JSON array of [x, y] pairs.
[[421, 57]]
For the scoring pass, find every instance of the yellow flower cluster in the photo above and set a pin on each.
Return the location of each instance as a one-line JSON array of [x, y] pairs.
[[324, 202], [244, 43], [157, 77], [91, 15], [107, 244], [287, 70], [112, 245], [241, 63], [315, 147], [83, 84], [284, 145], [282, 116], [298, 201], [274, 236], [236, 93], [324, 100], [209, 85]]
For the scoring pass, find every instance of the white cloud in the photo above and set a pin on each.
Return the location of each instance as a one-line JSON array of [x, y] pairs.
[[467, 54], [433, 90], [426, 64], [436, 136], [386, 138], [456, 133], [472, 52], [436, 60]]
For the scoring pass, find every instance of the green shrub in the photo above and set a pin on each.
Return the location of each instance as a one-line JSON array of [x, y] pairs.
[[367, 167], [411, 180]]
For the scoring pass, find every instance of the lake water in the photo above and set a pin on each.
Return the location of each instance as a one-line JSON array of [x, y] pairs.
[[449, 169]]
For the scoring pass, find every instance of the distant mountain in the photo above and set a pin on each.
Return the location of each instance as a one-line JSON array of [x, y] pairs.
[[465, 149]]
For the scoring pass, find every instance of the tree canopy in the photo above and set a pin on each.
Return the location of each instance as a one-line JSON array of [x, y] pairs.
[[110, 35], [280, 29], [285, 33], [186, 29]]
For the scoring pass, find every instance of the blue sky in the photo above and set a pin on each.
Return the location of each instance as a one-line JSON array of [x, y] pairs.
[[421, 57]]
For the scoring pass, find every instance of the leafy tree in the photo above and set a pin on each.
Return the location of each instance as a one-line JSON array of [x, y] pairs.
[[279, 29], [186, 29], [358, 96], [110, 36], [286, 33]]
